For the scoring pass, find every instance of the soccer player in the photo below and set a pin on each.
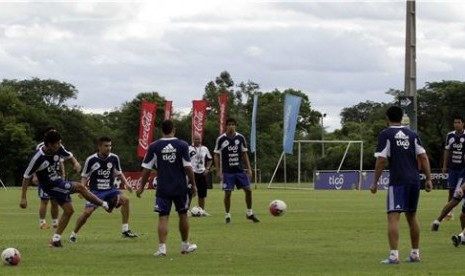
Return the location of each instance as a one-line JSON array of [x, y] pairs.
[[454, 165], [201, 160], [44, 164], [100, 170], [169, 156], [230, 159], [44, 197], [401, 147], [460, 238]]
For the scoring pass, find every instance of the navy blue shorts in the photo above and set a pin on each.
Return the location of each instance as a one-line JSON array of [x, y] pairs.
[[163, 204], [61, 191], [455, 178], [42, 195], [403, 198], [104, 195], [231, 180]]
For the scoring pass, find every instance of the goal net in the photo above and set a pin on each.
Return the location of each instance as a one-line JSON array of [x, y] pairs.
[[312, 160]]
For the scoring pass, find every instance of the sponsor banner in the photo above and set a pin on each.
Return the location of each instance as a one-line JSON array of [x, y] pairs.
[[134, 180], [199, 114], [168, 109], [343, 180], [348, 180], [223, 108], [146, 126], [253, 131], [291, 111]]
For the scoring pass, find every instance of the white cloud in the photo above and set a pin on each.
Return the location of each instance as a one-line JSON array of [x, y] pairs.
[[340, 52]]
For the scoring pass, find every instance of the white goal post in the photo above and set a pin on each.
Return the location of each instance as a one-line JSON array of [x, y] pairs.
[[299, 157]]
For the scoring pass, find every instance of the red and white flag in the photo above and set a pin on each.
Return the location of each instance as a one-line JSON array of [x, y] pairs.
[[223, 108], [199, 114], [168, 109], [148, 112]]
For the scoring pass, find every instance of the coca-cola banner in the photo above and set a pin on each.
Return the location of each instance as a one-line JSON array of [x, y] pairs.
[[147, 119], [134, 181], [199, 109], [168, 109], [223, 108]]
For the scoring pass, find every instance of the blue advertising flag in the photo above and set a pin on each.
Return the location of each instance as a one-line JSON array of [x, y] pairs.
[[291, 111], [253, 131]]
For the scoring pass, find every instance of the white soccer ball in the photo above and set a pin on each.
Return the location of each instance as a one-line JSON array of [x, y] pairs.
[[277, 207], [11, 256], [196, 211]]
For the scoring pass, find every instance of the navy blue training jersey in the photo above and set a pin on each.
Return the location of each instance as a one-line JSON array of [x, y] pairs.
[[400, 145], [455, 143], [169, 156], [46, 167], [230, 150], [101, 171]]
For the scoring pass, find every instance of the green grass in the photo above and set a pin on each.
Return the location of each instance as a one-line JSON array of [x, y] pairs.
[[323, 232]]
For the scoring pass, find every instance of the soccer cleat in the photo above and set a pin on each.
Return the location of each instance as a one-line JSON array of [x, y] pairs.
[[456, 240], [55, 243], [253, 218], [44, 226], [73, 238], [228, 219], [435, 226], [413, 258], [129, 234], [390, 261], [188, 248], [159, 253]]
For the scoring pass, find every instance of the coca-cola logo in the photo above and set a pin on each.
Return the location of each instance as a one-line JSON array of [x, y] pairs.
[[146, 121], [198, 120]]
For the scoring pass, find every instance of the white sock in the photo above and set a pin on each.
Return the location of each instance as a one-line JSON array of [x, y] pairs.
[[125, 227], [436, 221], [56, 237], [227, 215], [415, 251], [462, 238], [394, 254], [249, 212], [162, 247], [73, 234], [54, 222], [105, 205], [42, 221]]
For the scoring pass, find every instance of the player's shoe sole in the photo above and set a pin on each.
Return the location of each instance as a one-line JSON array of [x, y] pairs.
[[189, 249], [159, 254], [253, 218], [390, 261], [129, 234]]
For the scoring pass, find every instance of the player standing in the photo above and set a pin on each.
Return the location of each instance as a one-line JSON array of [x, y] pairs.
[[401, 147], [169, 156], [230, 159]]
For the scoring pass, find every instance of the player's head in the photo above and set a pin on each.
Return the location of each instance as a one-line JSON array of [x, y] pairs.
[[458, 123], [52, 140], [104, 145], [231, 125], [394, 114], [49, 128], [167, 127]]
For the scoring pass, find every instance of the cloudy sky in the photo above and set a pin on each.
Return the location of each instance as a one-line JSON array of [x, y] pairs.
[[339, 53]]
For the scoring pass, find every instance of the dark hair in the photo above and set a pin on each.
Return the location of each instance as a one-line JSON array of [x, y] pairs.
[[458, 117], [49, 128], [167, 126], [104, 139], [395, 114], [51, 137], [231, 120]]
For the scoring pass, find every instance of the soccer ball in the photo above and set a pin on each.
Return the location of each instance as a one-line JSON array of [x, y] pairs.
[[196, 211], [277, 207], [11, 256]]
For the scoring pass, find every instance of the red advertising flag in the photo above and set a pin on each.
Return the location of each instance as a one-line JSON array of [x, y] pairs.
[[223, 106], [146, 126], [168, 108], [199, 114]]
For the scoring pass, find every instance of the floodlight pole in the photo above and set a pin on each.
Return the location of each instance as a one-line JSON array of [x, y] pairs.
[[410, 61]]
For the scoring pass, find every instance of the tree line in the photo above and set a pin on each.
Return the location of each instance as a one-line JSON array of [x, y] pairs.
[[28, 107]]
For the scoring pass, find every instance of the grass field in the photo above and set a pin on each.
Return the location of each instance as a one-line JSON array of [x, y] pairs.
[[323, 232]]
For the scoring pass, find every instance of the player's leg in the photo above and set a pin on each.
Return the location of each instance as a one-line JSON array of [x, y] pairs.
[[68, 211], [445, 210], [228, 187], [393, 238], [79, 188], [182, 204], [163, 208], [125, 231], [242, 182], [81, 220], [201, 183], [44, 198], [455, 179], [54, 213]]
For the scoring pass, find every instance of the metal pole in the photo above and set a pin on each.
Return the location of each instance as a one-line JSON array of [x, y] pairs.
[[322, 135], [410, 60]]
